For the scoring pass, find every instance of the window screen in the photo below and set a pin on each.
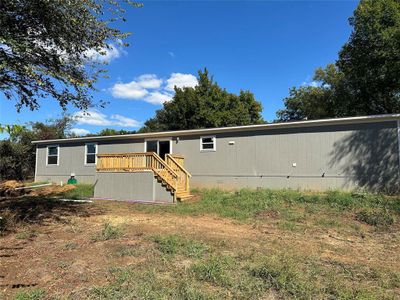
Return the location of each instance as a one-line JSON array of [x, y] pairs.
[[52, 155], [91, 151], [151, 146], [207, 143]]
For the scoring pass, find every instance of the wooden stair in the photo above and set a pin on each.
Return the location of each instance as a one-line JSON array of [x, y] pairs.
[[182, 191], [170, 172], [183, 196]]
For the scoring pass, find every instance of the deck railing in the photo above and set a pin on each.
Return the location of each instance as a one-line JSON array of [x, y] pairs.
[[180, 159], [171, 171], [138, 162], [176, 164]]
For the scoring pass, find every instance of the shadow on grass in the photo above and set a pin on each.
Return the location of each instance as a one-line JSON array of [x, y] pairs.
[[15, 212]]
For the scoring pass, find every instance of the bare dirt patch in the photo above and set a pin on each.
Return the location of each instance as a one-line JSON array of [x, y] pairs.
[[63, 259]]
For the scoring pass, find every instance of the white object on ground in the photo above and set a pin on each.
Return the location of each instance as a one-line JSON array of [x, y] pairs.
[[79, 201], [32, 186]]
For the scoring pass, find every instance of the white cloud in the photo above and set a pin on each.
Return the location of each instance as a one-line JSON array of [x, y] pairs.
[[105, 54], [79, 131], [149, 81], [150, 88], [131, 90], [118, 120], [99, 119], [172, 54], [180, 80], [136, 89], [158, 98], [91, 118]]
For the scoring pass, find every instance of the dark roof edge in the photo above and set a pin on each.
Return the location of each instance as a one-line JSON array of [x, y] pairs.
[[295, 124]]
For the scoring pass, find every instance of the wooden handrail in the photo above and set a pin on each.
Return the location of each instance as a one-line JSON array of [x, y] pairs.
[[162, 162], [180, 159], [124, 154], [184, 175], [137, 162], [169, 156]]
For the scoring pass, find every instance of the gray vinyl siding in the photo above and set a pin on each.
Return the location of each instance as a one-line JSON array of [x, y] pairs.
[[72, 160], [130, 186], [327, 157]]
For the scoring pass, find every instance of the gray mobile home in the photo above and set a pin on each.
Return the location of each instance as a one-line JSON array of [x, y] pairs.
[[343, 153]]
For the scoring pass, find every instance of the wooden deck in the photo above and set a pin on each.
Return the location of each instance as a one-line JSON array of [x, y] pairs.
[[169, 172]]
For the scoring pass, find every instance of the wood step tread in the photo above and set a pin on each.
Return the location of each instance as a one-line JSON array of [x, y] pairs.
[[178, 192], [184, 197]]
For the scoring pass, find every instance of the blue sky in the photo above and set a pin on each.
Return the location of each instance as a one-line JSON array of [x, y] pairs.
[[262, 46]]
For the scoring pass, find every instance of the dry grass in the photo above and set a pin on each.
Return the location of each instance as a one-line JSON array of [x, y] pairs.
[[289, 246]]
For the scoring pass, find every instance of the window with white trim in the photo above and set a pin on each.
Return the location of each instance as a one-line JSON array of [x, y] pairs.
[[52, 155], [90, 154], [208, 143]]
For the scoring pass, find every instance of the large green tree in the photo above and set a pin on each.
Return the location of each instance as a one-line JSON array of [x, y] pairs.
[[327, 99], [17, 153], [365, 79], [206, 105], [370, 60], [47, 48]]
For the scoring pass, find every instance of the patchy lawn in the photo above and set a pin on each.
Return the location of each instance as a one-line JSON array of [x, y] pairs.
[[241, 245]]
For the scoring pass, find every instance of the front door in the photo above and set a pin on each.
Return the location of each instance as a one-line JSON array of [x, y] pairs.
[[162, 148]]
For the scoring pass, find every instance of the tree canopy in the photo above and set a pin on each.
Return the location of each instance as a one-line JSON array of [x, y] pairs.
[[111, 131], [365, 79], [46, 48], [206, 105], [17, 153]]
